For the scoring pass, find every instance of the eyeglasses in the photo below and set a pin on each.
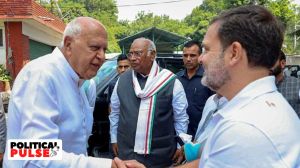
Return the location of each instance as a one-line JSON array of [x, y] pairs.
[[138, 53], [135, 53]]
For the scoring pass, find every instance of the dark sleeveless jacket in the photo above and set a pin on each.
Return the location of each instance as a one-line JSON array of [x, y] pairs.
[[163, 144]]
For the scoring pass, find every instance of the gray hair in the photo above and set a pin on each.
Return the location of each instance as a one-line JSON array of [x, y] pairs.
[[151, 45], [72, 29]]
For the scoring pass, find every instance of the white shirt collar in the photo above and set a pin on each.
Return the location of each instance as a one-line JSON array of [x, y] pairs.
[[219, 101]]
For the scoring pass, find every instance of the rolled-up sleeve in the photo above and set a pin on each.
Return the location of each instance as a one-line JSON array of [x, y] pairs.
[[180, 105]]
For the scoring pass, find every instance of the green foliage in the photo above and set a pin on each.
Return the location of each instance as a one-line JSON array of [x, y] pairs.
[[144, 21], [283, 10], [201, 17], [103, 10], [69, 9], [4, 74], [194, 25], [235, 3]]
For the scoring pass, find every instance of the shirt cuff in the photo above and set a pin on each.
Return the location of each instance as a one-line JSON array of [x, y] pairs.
[[178, 146], [113, 138]]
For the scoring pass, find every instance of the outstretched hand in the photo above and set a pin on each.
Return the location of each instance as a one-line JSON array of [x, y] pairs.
[[118, 163], [134, 164]]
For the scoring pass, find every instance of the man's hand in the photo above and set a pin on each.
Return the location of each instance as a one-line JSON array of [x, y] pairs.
[[115, 149], [192, 164], [134, 164], [126, 164], [178, 156], [118, 163]]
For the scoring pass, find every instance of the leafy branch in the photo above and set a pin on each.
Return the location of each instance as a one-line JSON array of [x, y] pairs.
[[4, 74]]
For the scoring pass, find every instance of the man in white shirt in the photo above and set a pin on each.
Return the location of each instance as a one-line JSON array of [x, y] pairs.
[[257, 127], [48, 102]]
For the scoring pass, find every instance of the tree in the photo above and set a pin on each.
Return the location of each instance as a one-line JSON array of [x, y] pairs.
[[235, 3], [144, 21], [284, 10], [102, 10], [202, 15]]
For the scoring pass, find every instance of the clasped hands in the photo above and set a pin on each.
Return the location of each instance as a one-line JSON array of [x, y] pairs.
[[118, 163]]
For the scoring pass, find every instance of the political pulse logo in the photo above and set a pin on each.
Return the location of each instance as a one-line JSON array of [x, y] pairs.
[[34, 149]]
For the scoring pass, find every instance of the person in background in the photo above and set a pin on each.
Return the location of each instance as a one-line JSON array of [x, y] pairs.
[[288, 86], [148, 110], [2, 131], [48, 102], [286, 71], [122, 65], [190, 77]]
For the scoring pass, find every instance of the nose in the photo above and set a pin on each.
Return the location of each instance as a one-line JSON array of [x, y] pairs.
[[123, 69], [101, 55], [188, 58]]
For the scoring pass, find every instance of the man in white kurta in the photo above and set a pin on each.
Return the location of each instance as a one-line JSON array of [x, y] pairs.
[[47, 101]]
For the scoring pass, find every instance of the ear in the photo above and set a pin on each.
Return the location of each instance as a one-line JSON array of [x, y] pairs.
[[67, 45], [236, 53], [152, 55]]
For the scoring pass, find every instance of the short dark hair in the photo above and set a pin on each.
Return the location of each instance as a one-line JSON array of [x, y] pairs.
[[282, 56], [256, 29], [122, 57], [191, 43]]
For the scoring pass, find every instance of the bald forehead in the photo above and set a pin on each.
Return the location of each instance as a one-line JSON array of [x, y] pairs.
[[88, 21], [141, 43], [89, 24]]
